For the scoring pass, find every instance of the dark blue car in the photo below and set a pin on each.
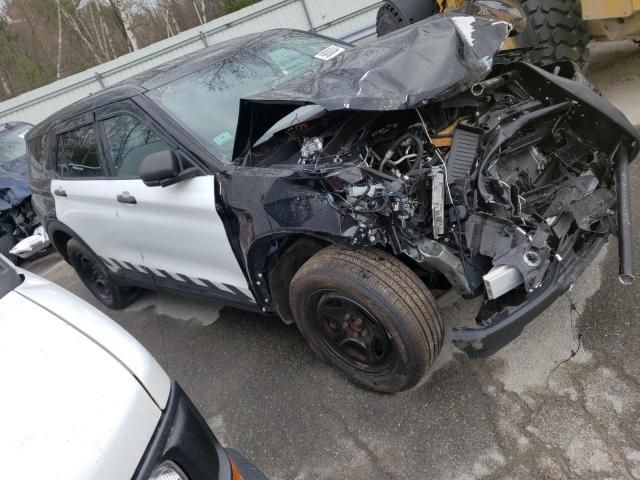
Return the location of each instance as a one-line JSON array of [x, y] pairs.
[[17, 218]]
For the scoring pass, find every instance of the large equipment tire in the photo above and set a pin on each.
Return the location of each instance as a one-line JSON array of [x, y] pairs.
[[368, 315], [556, 26], [395, 15], [97, 279], [7, 242]]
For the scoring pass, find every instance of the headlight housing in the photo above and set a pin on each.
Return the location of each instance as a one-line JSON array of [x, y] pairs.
[[235, 473], [168, 471]]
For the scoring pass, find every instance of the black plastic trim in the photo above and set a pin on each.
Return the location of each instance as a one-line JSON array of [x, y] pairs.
[[184, 437], [482, 342]]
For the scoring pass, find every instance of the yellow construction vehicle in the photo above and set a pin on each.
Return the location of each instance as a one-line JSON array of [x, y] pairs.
[[561, 28]]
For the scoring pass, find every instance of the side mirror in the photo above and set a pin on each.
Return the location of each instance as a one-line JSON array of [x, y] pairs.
[[159, 168]]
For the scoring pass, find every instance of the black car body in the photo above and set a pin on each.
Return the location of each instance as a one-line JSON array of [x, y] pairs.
[[475, 169], [17, 218]]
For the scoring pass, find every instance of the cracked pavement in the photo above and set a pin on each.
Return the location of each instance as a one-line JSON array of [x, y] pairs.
[[265, 394]]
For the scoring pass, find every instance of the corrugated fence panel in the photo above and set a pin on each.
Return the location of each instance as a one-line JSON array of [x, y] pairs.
[[330, 10], [352, 20], [353, 29]]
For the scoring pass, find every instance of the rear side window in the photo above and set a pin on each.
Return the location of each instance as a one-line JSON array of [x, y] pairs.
[[129, 142], [35, 154], [77, 154]]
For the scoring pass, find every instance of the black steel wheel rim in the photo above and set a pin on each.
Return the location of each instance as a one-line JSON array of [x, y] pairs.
[[96, 280], [349, 330]]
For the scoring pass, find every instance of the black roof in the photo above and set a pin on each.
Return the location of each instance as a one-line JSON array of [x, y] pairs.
[[156, 77], [106, 96]]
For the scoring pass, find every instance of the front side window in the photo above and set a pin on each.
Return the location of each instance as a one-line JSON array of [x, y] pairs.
[[129, 142], [207, 102], [77, 154]]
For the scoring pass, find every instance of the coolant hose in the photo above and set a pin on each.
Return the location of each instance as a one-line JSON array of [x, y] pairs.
[[389, 155]]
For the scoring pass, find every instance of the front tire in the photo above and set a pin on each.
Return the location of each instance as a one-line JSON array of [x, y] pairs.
[[368, 315], [97, 278]]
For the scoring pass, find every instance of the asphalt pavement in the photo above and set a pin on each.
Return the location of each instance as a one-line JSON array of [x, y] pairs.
[[521, 414]]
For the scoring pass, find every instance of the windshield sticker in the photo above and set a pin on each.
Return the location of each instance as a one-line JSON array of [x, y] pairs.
[[330, 52], [223, 138], [291, 62]]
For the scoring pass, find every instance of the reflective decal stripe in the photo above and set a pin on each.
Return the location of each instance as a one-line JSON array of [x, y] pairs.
[[184, 278], [157, 273], [141, 269], [197, 281], [222, 286], [110, 265], [239, 292], [165, 274], [115, 265], [175, 276]]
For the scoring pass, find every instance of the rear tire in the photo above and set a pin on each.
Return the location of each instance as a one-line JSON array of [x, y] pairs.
[[558, 27], [97, 279], [368, 315]]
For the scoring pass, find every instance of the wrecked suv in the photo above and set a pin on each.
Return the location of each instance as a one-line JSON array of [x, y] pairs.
[[337, 186], [17, 218]]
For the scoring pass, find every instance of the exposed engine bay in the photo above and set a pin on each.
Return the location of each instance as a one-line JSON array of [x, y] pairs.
[[17, 216], [480, 171], [486, 192]]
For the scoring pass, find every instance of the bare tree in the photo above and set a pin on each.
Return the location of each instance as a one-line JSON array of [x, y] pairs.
[[59, 59], [5, 85], [124, 15], [198, 13], [79, 28], [44, 40], [106, 35], [97, 31], [203, 9]]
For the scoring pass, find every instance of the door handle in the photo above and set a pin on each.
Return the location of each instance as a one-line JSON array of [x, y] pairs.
[[60, 192], [126, 198]]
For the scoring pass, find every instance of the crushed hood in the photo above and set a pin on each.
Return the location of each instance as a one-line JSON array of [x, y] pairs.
[[13, 190], [430, 60]]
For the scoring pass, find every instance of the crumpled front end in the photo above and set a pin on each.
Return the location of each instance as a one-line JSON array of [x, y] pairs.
[[503, 186], [17, 217], [434, 59]]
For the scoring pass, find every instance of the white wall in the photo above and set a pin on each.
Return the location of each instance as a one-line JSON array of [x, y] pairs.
[[346, 19]]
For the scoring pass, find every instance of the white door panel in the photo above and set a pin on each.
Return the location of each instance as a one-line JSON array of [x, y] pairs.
[[178, 230], [89, 209]]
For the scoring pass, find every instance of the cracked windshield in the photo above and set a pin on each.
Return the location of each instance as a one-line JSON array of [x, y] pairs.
[[207, 102]]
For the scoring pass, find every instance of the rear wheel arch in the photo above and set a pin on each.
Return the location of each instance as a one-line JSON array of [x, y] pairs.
[[60, 239], [60, 235], [97, 278]]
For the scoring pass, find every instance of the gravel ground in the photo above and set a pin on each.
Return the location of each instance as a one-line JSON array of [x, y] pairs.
[[506, 417]]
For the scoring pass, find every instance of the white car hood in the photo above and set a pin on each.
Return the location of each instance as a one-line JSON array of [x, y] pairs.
[[69, 409], [81, 398], [101, 329]]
